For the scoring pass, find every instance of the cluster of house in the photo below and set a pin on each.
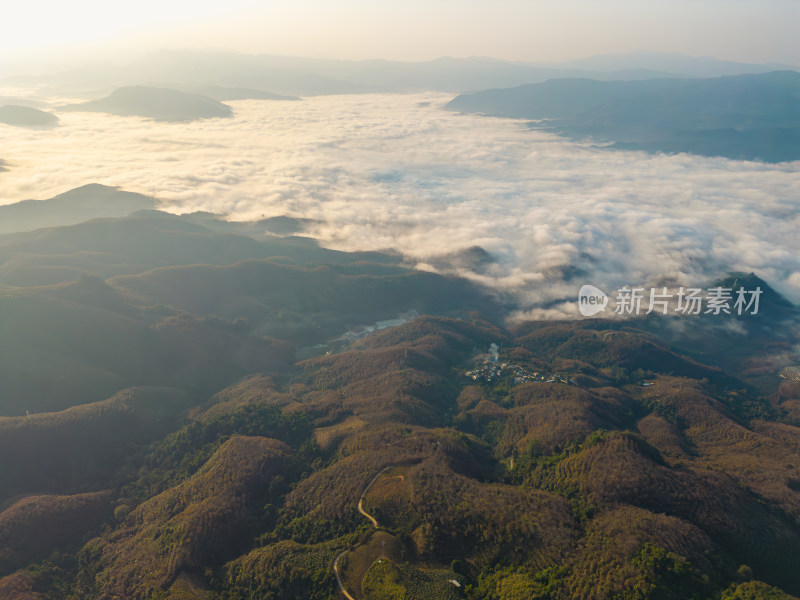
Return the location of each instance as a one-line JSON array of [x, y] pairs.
[[791, 373], [490, 372], [488, 369]]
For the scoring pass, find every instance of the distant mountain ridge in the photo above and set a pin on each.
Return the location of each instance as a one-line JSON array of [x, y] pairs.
[[300, 76], [675, 63], [742, 117]]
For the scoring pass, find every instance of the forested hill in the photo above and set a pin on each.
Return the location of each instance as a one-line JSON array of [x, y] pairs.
[[194, 409]]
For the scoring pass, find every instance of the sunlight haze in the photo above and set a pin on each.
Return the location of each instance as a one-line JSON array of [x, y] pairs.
[[356, 29]]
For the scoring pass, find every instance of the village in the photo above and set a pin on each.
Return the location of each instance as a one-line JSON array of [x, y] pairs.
[[490, 370]]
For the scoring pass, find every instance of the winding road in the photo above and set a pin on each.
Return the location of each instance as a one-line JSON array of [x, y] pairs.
[[372, 519], [339, 577], [360, 507]]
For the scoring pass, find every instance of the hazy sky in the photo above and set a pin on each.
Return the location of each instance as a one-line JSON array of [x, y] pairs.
[[536, 30]]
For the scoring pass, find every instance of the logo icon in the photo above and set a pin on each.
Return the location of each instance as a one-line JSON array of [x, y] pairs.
[[591, 300]]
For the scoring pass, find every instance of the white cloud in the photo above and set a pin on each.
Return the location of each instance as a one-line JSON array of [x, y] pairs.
[[388, 171]]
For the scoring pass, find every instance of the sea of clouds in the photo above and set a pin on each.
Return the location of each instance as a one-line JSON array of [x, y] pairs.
[[397, 172]]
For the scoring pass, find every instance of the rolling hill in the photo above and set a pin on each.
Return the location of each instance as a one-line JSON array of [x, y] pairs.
[[92, 201], [160, 104], [26, 116]]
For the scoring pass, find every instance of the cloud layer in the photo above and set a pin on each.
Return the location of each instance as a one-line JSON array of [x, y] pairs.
[[396, 172]]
